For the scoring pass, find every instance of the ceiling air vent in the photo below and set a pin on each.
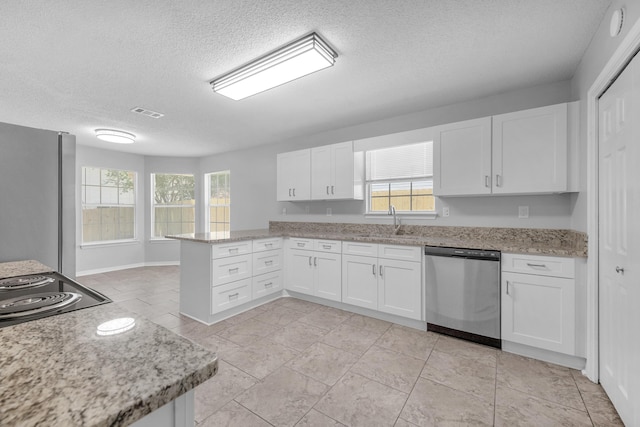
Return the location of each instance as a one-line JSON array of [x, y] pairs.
[[148, 113]]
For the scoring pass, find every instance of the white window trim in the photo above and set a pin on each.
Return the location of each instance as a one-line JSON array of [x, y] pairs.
[[127, 240], [207, 198], [105, 243], [153, 238]]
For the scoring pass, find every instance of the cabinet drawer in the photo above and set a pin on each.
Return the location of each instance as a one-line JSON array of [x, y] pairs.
[[539, 265], [360, 248], [231, 249], [266, 284], [265, 262], [297, 243], [334, 246], [231, 269], [267, 244], [230, 295], [406, 253]]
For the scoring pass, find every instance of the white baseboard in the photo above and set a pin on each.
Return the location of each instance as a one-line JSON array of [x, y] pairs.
[[125, 267]]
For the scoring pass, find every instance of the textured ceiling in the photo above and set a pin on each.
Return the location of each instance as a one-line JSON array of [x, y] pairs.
[[81, 65]]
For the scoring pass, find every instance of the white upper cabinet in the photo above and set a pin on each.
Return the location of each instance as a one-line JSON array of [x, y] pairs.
[[530, 151], [321, 173], [294, 175], [524, 152], [336, 172], [462, 158]]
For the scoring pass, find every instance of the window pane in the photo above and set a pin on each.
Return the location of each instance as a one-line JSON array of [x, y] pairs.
[[91, 176], [109, 195], [92, 196], [218, 202]]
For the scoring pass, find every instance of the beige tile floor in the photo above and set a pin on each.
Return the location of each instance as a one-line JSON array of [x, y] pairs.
[[291, 362]]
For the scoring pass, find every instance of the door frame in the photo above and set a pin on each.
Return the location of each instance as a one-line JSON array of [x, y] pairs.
[[618, 61]]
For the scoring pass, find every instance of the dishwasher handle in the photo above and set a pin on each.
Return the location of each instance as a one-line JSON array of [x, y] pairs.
[[482, 254]]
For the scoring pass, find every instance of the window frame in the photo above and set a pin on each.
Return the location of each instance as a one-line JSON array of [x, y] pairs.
[[152, 194], [83, 204], [207, 197], [369, 182]]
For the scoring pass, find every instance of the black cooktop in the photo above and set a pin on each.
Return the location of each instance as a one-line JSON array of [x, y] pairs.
[[34, 296]]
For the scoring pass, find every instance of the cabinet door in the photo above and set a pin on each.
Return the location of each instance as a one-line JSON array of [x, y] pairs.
[[328, 275], [462, 158], [539, 311], [321, 173], [400, 288], [342, 170], [299, 271], [360, 281], [294, 175], [530, 151]]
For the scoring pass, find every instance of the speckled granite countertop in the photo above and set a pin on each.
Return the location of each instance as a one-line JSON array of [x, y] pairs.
[[21, 268], [552, 242], [58, 371]]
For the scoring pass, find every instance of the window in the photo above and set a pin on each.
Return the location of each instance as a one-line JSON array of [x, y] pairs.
[[218, 204], [401, 176], [173, 204], [108, 204]]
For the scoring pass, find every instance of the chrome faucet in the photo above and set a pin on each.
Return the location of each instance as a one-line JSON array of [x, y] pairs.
[[396, 220]]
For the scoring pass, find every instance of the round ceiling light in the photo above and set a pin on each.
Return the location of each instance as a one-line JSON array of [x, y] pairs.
[[116, 136]]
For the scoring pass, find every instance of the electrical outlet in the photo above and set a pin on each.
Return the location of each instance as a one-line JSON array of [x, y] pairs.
[[328, 211], [445, 211], [523, 211]]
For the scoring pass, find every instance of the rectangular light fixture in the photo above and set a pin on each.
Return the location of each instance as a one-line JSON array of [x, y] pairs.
[[299, 58]]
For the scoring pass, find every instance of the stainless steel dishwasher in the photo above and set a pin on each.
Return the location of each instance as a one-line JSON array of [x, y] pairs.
[[463, 293]]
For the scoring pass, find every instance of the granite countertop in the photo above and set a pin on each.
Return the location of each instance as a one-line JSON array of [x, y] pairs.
[[551, 242], [58, 371]]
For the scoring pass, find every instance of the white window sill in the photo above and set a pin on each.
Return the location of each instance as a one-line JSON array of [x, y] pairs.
[[161, 240], [107, 243], [408, 215]]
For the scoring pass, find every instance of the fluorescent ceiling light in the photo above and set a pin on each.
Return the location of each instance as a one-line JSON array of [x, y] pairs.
[[299, 58], [117, 136]]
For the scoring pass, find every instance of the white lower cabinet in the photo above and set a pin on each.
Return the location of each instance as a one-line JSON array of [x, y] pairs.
[[388, 285], [266, 284], [313, 267], [230, 295], [538, 306]]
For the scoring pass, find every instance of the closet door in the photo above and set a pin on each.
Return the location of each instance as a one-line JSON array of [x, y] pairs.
[[619, 239]]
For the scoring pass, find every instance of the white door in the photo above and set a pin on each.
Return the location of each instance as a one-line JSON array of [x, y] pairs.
[[342, 171], [321, 176], [462, 158], [299, 268], [530, 150], [360, 281], [619, 239], [328, 275], [399, 288]]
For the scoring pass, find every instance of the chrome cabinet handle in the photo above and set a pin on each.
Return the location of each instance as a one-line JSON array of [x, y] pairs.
[[537, 265], [268, 262], [381, 271], [234, 270], [234, 295], [619, 270], [294, 192], [289, 192], [373, 269], [268, 245], [233, 250], [268, 285], [315, 261], [487, 183], [332, 189], [498, 183], [327, 189], [326, 246], [300, 244], [508, 288], [310, 261]]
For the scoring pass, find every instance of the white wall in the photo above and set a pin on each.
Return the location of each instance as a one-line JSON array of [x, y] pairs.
[[600, 50], [103, 257], [253, 172]]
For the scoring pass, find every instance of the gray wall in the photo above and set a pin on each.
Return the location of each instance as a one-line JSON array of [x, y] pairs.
[[253, 182], [598, 53], [253, 172]]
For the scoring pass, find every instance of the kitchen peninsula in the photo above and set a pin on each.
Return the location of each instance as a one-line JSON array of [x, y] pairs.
[[59, 371]]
